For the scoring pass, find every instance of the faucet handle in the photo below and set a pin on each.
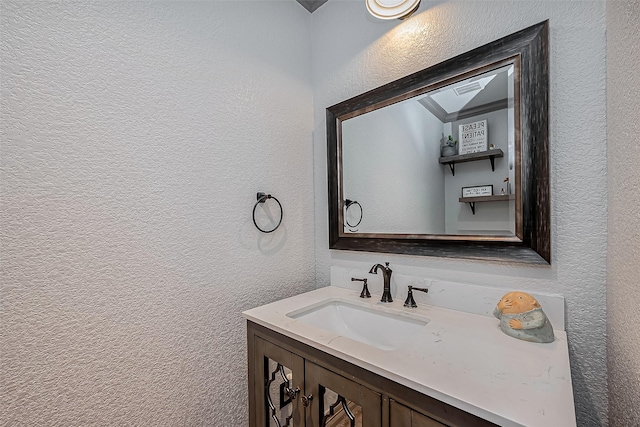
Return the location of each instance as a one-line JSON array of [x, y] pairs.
[[410, 302], [365, 290]]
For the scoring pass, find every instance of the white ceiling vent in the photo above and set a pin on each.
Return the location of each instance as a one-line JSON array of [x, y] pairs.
[[461, 90]]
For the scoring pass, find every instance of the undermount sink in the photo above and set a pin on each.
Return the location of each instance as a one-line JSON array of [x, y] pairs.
[[384, 328]]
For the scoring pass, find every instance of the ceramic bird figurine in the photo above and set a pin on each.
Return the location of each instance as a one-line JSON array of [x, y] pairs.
[[522, 317]]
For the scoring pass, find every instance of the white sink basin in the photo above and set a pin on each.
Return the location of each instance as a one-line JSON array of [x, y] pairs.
[[380, 327]]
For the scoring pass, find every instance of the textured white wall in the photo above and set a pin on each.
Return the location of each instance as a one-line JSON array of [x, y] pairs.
[[134, 137], [623, 260], [353, 53]]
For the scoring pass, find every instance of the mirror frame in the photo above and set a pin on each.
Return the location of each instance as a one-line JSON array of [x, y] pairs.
[[528, 48]]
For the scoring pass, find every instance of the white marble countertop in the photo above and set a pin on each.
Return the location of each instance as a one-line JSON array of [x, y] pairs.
[[462, 359]]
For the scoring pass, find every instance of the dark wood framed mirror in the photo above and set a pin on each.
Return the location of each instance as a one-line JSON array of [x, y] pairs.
[[451, 161]]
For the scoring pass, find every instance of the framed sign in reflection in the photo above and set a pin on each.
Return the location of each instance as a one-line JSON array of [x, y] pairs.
[[477, 191], [473, 137]]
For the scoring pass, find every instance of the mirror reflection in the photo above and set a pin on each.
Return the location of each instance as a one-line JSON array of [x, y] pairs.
[[398, 182], [440, 163]]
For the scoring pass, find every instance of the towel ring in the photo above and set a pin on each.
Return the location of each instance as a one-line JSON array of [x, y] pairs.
[[348, 204], [262, 197]]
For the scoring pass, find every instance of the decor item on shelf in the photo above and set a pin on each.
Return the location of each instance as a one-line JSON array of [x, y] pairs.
[[508, 185], [392, 9], [522, 317], [449, 147]]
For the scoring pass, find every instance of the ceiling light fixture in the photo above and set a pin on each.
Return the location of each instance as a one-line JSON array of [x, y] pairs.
[[392, 9]]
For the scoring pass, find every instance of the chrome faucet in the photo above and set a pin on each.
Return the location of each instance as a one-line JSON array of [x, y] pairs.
[[386, 275]]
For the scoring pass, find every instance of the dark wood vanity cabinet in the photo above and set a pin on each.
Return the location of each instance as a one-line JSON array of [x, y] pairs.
[[402, 416], [294, 384]]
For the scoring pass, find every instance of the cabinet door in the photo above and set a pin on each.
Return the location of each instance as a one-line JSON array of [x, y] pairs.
[[277, 373], [335, 401], [401, 416]]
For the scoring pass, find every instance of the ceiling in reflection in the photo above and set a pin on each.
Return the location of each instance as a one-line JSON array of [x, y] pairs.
[[448, 103]]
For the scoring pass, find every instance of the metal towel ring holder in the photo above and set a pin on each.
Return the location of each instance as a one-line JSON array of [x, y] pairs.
[[262, 197], [348, 204]]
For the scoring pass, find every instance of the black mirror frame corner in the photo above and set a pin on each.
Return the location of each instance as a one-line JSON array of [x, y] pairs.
[[531, 46]]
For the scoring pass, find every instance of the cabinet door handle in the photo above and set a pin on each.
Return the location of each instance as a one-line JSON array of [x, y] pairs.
[[292, 393], [306, 400]]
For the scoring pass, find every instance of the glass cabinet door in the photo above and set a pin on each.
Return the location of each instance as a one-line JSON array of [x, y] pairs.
[[335, 401], [280, 375]]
